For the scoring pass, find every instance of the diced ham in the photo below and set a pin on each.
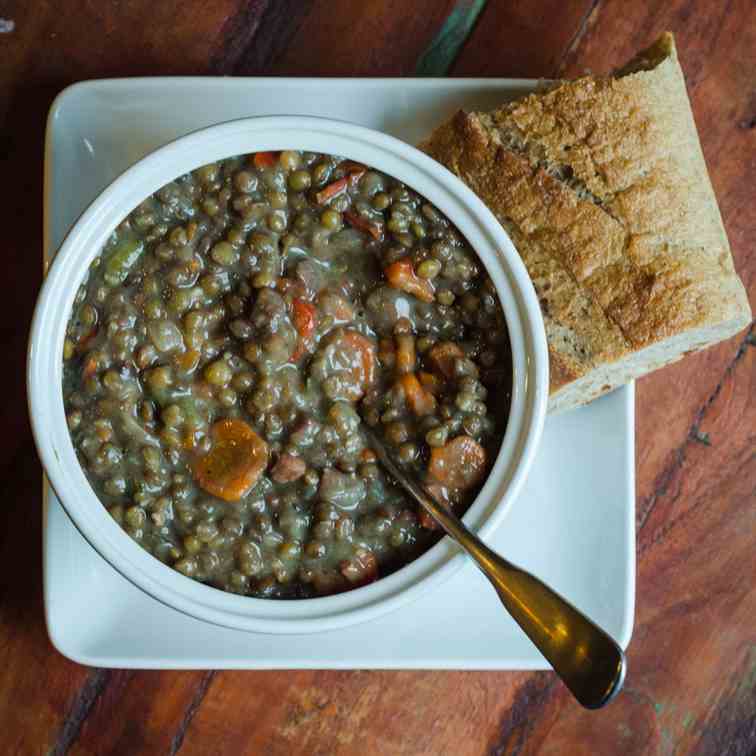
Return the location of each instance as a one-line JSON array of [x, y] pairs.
[[441, 357], [288, 468], [361, 569]]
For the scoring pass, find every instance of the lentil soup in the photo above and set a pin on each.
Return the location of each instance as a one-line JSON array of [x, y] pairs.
[[231, 338]]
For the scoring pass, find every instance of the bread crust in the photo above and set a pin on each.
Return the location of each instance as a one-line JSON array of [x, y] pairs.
[[603, 187]]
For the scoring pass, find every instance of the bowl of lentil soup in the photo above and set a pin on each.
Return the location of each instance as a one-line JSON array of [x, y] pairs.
[[201, 362]]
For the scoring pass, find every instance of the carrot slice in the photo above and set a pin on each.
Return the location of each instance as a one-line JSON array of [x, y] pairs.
[[235, 461], [303, 317], [334, 189], [405, 353], [264, 160], [460, 463], [418, 399], [441, 357], [90, 368], [363, 224], [401, 275]]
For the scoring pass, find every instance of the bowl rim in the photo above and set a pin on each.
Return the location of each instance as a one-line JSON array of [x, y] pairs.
[[84, 241]]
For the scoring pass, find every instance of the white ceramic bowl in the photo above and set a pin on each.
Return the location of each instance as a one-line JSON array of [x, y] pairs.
[[83, 244]]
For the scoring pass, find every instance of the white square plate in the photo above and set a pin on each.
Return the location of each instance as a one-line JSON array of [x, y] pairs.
[[573, 524]]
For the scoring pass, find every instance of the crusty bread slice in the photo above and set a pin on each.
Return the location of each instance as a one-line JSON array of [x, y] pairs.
[[603, 188]]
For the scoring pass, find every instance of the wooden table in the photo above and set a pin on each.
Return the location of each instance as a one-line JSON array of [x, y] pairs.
[[692, 680]]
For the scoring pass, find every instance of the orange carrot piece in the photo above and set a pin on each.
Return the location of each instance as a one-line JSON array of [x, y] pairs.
[[303, 317], [401, 275], [418, 399], [362, 224], [334, 189], [460, 463], [441, 357], [406, 355], [264, 160], [235, 462], [90, 368]]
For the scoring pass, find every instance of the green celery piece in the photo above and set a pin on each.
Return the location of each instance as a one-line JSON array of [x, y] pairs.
[[121, 259]]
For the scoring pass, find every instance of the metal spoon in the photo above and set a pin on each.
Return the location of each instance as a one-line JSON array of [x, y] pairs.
[[586, 658]]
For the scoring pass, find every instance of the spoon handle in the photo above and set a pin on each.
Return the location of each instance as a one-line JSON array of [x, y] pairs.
[[586, 658]]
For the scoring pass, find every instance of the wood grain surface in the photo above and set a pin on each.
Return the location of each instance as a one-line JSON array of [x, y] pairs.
[[692, 681]]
